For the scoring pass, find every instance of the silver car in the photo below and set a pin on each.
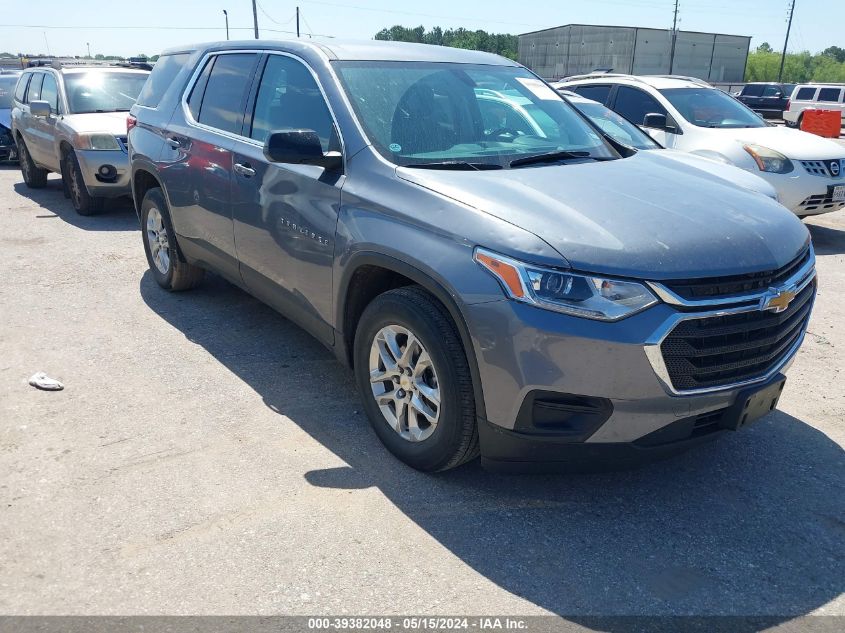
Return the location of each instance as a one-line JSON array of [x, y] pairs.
[[72, 121]]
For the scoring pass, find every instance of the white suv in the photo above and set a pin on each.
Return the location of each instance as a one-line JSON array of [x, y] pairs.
[[807, 171], [814, 97]]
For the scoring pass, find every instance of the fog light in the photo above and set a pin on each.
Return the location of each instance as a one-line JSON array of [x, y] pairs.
[[107, 171]]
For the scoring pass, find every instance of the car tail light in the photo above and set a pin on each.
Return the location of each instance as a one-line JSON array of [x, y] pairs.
[[788, 103], [131, 122]]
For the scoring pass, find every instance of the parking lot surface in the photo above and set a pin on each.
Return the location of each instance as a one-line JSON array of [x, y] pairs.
[[209, 457]]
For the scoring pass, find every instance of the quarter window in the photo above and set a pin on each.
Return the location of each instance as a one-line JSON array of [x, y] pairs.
[[289, 97], [20, 90], [223, 101], [805, 94], [752, 90], [634, 104], [830, 95]]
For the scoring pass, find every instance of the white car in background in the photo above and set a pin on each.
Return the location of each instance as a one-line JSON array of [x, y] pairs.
[[687, 114], [814, 97]]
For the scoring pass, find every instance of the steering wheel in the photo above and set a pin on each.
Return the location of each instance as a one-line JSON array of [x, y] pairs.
[[503, 132]]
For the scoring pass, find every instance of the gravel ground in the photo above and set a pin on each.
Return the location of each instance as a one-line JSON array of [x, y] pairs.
[[209, 457]]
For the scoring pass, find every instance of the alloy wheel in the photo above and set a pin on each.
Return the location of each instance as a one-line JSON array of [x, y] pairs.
[[158, 241], [404, 383]]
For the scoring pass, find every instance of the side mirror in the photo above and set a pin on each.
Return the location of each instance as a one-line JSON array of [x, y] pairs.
[[655, 120], [300, 147], [40, 109]]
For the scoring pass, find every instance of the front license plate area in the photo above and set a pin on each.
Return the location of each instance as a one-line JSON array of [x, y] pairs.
[[751, 405], [838, 193]]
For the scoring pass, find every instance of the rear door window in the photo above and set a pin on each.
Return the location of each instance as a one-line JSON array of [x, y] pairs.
[[829, 95], [805, 94], [596, 93], [634, 104], [164, 72], [771, 91], [34, 92], [20, 90], [225, 94]]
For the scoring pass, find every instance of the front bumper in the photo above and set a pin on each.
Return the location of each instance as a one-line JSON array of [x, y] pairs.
[[625, 410], [90, 162], [804, 193]]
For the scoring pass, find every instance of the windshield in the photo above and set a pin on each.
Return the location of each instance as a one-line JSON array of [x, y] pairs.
[[422, 113], [101, 91], [617, 127], [7, 89], [707, 107]]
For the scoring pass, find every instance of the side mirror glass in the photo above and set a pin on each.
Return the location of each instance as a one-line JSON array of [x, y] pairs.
[[655, 120], [40, 109], [299, 147]]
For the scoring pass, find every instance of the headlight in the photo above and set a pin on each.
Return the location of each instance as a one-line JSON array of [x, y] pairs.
[[769, 160], [97, 142], [585, 296]]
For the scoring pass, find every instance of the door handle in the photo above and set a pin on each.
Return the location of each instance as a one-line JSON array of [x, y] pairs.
[[174, 142], [244, 170]]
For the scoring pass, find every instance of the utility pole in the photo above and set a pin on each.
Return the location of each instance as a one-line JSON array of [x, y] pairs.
[[226, 15], [255, 18], [674, 39], [297, 21], [88, 44], [786, 41]]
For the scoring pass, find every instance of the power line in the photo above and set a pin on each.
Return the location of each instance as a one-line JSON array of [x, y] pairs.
[[270, 17]]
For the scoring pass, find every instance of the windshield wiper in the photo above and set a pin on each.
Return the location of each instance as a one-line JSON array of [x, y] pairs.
[[457, 165], [551, 157]]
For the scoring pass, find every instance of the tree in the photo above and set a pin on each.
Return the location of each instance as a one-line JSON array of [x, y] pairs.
[[835, 52], [500, 43], [765, 47]]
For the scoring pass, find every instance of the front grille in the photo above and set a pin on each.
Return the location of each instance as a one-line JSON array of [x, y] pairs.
[[819, 167], [821, 202], [722, 350], [721, 287]]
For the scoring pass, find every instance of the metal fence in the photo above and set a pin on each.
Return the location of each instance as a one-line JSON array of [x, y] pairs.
[[579, 48]]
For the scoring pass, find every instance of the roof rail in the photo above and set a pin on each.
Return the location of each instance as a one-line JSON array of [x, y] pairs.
[[595, 75], [694, 80]]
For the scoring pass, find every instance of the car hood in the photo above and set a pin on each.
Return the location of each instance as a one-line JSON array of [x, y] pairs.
[[641, 217], [791, 143], [109, 122], [728, 173], [6, 118]]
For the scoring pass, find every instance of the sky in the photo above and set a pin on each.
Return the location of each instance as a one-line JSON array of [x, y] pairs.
[[130, 27]]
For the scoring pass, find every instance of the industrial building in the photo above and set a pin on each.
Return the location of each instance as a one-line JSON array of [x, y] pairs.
[[581, 48]]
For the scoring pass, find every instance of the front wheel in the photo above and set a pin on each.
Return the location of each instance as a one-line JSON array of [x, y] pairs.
[[83, 202], [413, 377], [171, 272]]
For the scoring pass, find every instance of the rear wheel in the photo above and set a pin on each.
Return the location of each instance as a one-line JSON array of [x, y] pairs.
[[33, 176], [413, 377], [83, 202], [168, 267]]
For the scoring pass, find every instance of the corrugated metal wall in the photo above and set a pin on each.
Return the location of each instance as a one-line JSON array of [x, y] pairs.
[[574, 49]]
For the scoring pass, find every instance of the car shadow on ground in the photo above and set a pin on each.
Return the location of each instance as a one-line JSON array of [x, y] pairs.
[[751, 524], [118, 214], [827, 240]]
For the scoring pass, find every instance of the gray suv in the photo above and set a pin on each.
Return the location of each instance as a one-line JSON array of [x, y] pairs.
[[539, 297], [72, 120]]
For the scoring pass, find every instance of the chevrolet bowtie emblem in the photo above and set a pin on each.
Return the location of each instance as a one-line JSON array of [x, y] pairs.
[[778, 300]]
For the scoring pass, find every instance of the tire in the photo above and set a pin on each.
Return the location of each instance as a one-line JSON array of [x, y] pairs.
[[453, 440], [83, 202], [171, 272], [33, 176]]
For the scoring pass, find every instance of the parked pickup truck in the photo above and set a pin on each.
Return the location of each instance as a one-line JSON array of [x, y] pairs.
[[766, 98]]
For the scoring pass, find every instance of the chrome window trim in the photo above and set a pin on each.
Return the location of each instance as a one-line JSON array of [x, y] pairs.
[[672, 298], [189, 118], [655, 356]]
